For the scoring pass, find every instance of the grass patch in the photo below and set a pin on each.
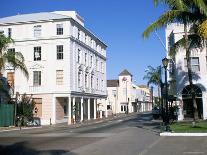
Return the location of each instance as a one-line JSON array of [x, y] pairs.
[[186, 127]]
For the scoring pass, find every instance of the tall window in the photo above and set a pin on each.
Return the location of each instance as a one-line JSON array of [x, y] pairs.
[[91, 81], [91, 42], [86, 80], [97, 84], [79, 55], [37, 30], [36, 78], [59, 77], [194, 64], [79, 34], [59, 52], [37, 53], [9, 32], [79, 79], [102, 84], [97, 64], [59, 29], [86, 37], [91, 61], [85, 58], [171, 40], [101, 67]]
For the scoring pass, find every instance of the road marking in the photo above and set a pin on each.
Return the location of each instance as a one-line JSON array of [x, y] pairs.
[[120, 120], [150, 146], [193, 152]]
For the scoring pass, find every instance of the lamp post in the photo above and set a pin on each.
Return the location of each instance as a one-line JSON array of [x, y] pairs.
[[152, 95], [165, 65], [127, 101]]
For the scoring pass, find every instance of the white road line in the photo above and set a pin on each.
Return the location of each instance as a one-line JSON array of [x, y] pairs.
[[150, 146], [193, 152]]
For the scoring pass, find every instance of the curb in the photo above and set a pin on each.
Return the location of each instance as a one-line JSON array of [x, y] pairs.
[[169, 134], [18, 129]]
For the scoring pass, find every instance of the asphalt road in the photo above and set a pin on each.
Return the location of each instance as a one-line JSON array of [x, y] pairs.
[[134, 135]]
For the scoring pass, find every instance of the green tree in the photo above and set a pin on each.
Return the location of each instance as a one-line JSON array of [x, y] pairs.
[[9, 57], [25, 109], [153, 76], [191, 14]]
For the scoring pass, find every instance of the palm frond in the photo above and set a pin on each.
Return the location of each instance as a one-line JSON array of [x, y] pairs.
[[201, 5], [16, 60], [167, 18]]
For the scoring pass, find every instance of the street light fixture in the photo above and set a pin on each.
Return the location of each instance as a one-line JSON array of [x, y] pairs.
[[165, 62]]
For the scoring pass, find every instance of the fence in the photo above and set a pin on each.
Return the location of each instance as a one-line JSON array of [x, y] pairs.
[[6, 115]]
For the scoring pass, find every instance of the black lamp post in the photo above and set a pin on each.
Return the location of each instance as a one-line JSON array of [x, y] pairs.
[[165, 62]]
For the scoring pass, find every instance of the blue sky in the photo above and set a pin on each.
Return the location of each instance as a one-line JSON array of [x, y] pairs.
[[119, 23]]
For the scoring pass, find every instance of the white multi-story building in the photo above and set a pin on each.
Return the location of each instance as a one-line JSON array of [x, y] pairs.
[[66, 64], [126, 97], [178, 76]]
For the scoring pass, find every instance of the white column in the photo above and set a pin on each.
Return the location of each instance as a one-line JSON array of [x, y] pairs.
[[106, 108], [95, 102], [69, 110], [74, 110], [89, 110], [81, 109], [101, 114]]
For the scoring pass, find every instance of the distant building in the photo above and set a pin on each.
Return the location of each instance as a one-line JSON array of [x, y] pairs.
[[126, 97], [178, 77], [66, 64]]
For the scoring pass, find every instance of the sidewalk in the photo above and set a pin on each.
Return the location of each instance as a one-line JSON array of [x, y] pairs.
[[77, 125], [93, 121]]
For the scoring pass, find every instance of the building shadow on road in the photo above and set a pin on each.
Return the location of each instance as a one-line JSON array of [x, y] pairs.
[[21, 148]]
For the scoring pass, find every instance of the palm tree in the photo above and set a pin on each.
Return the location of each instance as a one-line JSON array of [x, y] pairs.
[[153, 76], [191, 14], [10, 58]]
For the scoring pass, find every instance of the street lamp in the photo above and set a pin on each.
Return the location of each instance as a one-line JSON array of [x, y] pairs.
[[165, 62], [127, 101]]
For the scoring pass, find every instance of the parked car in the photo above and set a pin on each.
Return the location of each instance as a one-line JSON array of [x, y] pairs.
[[156, 112]]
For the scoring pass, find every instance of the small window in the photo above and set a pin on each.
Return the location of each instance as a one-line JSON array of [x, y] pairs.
[[114, 93], [37, 53], [108, 107], [37, 30], [59, 52], [121, 107], [59, 29], [11, 50], [59, 77], [37, 78], [194, 64], [9, 32]]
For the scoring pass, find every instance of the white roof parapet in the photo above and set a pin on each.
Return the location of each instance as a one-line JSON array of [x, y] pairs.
[[42, 16], [71, 14]]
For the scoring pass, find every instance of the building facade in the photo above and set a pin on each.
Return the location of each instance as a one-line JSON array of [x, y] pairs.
[[66, 64], [126, 97], [178, 77]]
